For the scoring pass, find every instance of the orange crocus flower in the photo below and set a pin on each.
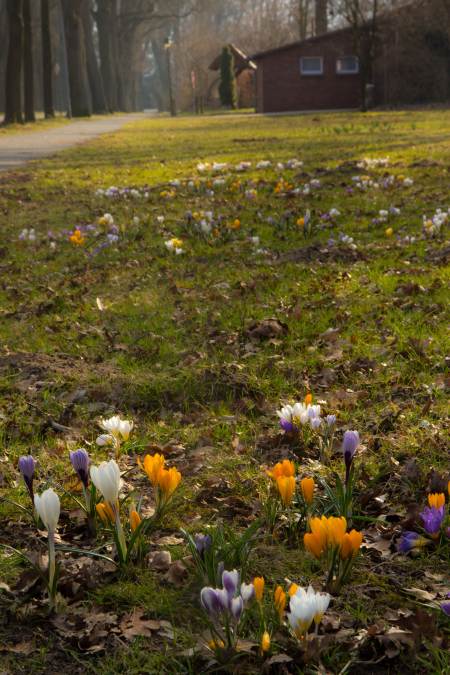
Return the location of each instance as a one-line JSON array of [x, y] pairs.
[[284, 468], [258, 584], [314, 544], [280, 601], [319, 527], [152, 465], [105, 512], [336, 530], [265, 642], [351, 543], [307, 486], [168, 480], [293, 588], [436, 500], [286, 488], [135, 520]]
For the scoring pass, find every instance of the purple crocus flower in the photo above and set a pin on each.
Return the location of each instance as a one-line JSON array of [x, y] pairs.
[[330, 420], [209, 597], [432, 520], [446, 608], [202, 543], [288, 427], [27, 464], [230, 582], [80, 462], [237, 606], [349, 445], [408, 541]]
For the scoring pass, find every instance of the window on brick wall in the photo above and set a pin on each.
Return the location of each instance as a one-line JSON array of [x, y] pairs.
[[311, 65], [347, 65]]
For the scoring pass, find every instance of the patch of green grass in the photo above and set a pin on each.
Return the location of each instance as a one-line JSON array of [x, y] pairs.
[[173, 348]]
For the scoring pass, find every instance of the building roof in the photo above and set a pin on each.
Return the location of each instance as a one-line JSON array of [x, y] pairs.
[[316, 38], [241, 60]]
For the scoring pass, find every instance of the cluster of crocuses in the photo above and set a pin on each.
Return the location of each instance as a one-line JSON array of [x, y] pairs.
[[117, 432], [436, 524], [330, 542], [104, 480], [283, 475], [227, 606], [294, 417]]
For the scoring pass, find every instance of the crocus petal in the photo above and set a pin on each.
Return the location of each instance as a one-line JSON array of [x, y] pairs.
[[230, 582], [48, 507]]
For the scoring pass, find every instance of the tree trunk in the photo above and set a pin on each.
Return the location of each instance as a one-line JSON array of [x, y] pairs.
[[28, 63], [321, 17], [107, 30], [80, 94], [99, 104], [13, 89], [47, 65]]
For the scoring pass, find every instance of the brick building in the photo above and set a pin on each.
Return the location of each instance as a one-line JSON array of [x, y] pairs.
[[319, 73], [411, 65]]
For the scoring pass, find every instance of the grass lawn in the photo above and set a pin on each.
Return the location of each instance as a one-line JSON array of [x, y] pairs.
[[200, 350], [41, 124]]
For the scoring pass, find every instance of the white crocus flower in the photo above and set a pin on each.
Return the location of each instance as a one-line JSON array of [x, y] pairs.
[[118, 430], [285, 414], [306, 607], [300, 413], [322, 602], [48, 507], [106, 479], [247, 593], [301, 614], [104, 439], [125, 429]]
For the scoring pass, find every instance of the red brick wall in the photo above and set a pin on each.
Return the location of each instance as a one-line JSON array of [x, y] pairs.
[[281, 86]]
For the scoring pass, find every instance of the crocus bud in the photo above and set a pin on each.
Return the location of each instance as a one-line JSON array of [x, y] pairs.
[[230, 582], [135, 520], [349, 445], [236, 608], [104, 439], [247, 593], [106, 478], [210, 600], [330, 420], [80, 462], [27, 464], [265, 642], [203, 543], [48, 508], [259, 583], [432, 519]]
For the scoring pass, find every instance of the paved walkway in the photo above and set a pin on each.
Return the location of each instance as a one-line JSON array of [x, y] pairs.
[[17, 149]]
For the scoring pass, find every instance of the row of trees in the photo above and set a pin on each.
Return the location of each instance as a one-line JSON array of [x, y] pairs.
[[97, 56], [102, 50]]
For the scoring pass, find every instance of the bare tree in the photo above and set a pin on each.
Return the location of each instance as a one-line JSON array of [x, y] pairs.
[[28, 63], [80, 95], [321, 14], [47, 65], [99, 104], [13, 90], [362, 16]]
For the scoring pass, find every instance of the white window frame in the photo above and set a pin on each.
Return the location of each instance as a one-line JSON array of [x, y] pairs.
[[347, 71], [310, 73]]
